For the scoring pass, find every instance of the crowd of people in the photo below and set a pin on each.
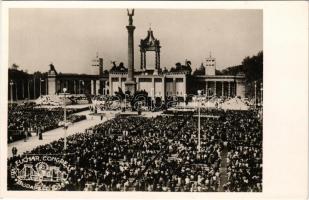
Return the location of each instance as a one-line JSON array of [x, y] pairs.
[[23, 120], [161, 154]]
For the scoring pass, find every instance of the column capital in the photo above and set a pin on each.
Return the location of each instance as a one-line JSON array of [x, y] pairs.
[[130, 28]]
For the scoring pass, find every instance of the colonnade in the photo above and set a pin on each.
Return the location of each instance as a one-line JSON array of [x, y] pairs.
[[222, 88], [78, 86]]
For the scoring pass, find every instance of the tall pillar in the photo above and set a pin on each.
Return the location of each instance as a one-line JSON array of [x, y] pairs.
[[142, 60], [229, 89], [206, 89], [130, 52], [222, 84], [23, 89], [174, 86], [240, 88], [159, 60], [144, 64], [130, 83], [110, 86], [164, 88], [154, 87], [74, 86], [97, 87], [185, 84], [46, 86], [52, 85], [137, 84], [215, 88], [92, 87], [120, 82]]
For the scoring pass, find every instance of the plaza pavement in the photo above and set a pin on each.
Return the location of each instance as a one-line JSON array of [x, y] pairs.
[[58, 133]]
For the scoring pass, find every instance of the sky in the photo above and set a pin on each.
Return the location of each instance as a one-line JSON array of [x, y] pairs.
[[70, 37]]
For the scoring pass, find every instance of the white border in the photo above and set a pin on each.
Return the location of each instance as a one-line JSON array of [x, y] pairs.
[[285, 142]]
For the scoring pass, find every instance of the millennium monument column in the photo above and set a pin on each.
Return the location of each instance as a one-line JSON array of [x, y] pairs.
[[130, 83]]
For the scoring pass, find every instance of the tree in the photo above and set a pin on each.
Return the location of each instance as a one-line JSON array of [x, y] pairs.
[[14, 66], [252, 67], [200, 71], [179, 67]]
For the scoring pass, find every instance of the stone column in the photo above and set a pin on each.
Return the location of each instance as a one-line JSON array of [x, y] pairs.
[[60, 85], [215, 88], [159, 60], [154, 87], [240, 88], [174, 86], [222, 84], [97, 88], [130, 52], [137, 84], [110, 86], [23, 89], [229, 89], [130, 84], [164, 88], [206, 89], [74, 82], [185, 84], [142, 60], [144, 64], [46, 86], [120, 82], [92, 87]]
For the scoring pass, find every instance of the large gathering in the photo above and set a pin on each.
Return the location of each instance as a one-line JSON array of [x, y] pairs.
[[148, 126], [132, 153]]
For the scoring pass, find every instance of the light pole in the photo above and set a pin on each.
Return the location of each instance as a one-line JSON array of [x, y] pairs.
[[199, 122], [11, 85], [65, 120]]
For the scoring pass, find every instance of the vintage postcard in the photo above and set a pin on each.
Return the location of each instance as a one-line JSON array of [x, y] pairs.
[[139, 100]]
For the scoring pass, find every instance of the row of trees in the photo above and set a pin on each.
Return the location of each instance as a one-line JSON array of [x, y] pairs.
[[252, 67]]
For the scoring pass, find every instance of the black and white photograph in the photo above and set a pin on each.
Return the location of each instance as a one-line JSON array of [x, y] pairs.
[[135, 99]]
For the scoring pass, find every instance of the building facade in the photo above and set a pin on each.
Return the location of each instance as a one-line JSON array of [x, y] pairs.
[[155, 81]]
